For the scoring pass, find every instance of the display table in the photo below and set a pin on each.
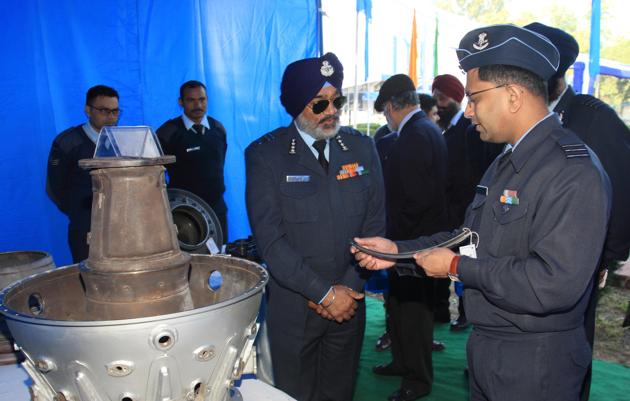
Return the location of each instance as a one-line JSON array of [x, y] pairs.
[[14, 384]]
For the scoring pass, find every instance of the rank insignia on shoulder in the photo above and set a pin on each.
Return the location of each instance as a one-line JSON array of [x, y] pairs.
[[575, 150], [351, 170], [509, 197], [298, 178]]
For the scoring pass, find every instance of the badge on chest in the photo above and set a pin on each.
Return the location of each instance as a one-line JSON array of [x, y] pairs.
[[298, 178]]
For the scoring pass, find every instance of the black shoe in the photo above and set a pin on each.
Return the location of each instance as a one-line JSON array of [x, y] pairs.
[[437, 346], [406, 394], [387, 369], [383, 342], [460, 324]]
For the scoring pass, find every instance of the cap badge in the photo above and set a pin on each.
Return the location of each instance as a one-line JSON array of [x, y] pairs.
[[482, 42], [327, 69]]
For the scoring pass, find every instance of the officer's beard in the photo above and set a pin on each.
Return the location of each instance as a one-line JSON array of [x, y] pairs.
[[317, 129], [446, 114]]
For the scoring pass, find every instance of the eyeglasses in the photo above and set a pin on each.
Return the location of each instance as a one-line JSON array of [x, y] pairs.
[[321, 105], [106, 112], [470, 95]]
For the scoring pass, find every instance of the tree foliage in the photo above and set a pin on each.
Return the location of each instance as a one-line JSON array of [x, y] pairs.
[[564, 15]]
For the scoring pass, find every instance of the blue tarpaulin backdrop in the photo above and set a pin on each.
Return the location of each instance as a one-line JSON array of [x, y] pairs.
[[53, 51]]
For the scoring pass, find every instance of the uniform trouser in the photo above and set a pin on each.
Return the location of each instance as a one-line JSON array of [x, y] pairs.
[[589, 327], [323, 366], [77, 240], [224, 225], [411, 332], [442, 295], [526, 367]]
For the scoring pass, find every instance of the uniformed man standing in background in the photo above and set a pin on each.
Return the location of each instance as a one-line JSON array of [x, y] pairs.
[[541, 212], [199, 143], [602, 130], [414, 171], [311, 187], [70, 186]]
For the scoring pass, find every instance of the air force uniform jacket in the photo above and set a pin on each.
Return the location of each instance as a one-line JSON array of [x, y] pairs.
[[303, 219], [541, 214], [603, 131]]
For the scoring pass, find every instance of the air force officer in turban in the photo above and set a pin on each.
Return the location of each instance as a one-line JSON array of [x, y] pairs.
[[311, 187]]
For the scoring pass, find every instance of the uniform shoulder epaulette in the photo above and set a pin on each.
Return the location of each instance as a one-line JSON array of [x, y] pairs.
[[572, 146], [590, 102], [70, 136], [268, 137]]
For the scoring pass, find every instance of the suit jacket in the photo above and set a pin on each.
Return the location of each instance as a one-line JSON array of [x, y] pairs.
[[68, 185], [538, 250], [603, 131], [199, 160], [468, 159], [303, 219], [415, 180]]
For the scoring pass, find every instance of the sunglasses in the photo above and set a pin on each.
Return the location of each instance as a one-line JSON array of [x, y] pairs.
[[321, 105]]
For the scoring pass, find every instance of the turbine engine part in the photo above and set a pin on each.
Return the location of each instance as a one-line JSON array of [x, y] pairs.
[[195, 220], [139, 319]]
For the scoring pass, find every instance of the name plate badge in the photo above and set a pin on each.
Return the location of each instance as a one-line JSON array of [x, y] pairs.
[[298, 178]]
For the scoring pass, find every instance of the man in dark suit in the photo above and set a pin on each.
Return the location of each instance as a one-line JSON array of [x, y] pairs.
[[468, 159], [199, 143], [415, 178], [68, 185], [311, 187], [603, 131], [540, 215]]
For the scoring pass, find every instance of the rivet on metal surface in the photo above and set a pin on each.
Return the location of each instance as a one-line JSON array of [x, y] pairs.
[[45, 365], [163, 338], [119, 368], [204, 353]]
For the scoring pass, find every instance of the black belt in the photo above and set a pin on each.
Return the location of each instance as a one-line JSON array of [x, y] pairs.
[[456, 240]]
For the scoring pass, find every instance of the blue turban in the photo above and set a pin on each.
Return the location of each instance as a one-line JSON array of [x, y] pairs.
[[303, 79]]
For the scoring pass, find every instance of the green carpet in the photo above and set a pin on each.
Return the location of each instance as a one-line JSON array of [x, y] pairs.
[[611, 382]]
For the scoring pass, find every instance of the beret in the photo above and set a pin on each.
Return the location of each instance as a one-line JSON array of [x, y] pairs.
[[394, 85], [450, 86], [566, 44], [508, 45], [303, 79]]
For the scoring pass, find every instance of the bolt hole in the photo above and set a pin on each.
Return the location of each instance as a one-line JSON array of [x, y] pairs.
[[164, 341], [215, 280], [196, 389], [126, 399], [35, 304]]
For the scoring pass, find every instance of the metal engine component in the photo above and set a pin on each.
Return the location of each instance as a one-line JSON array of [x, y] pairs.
[[195, 220], [13, 267], [139, 320]]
